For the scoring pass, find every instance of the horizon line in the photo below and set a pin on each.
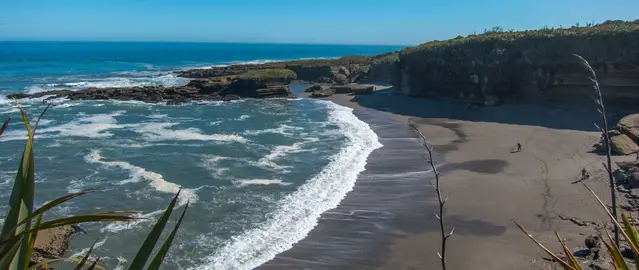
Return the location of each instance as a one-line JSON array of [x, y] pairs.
[[209, 42]]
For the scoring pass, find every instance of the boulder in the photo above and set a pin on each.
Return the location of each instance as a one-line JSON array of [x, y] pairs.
[[633, 180], [352, 88], [313, 88], [344, 70], [629, 125], [622, 144], [626, 165], [592, 241], [322, 93]]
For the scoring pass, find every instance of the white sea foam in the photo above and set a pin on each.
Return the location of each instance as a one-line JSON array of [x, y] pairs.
[[161, 132], [138, 174], [115, 227], [152, 79], [211, 163], [121, 262], [279, 151], [298, 212], [255, 62], [242, 117], [93, 126], [282, 129], [157, 116], [44, 122], [83, 252], [263, 182]]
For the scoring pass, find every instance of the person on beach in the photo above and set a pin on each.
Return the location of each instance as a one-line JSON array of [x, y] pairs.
[[584, 174], [518, 147]]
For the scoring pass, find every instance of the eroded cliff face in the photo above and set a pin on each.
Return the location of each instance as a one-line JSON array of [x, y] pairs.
[[528, 64]]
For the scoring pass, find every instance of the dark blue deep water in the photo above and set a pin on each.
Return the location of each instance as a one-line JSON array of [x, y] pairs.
[[257, 173]]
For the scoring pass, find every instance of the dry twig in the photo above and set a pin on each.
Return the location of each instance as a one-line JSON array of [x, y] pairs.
[[442, 201]]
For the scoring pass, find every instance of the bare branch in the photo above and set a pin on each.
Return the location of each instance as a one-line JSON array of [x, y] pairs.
[[441, 201]]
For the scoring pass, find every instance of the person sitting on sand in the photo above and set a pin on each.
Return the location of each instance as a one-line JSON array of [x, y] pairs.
[[584, 174]]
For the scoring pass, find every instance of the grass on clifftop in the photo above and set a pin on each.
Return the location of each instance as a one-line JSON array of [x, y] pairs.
[[271, 73], [498, 34], [389, 57]]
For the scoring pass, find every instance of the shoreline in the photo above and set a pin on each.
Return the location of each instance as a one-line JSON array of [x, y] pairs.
[[488, 185], [347, 236]]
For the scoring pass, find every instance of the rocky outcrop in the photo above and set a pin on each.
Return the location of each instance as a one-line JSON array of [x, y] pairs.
[[622, 144], [624, 138], [51, 244], [313, 88], [526, 64], [322, 93], [267, 83], [344, 70], [629, 126], [352, 88]]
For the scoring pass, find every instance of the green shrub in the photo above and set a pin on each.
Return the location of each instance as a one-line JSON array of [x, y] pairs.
[[266, 74]]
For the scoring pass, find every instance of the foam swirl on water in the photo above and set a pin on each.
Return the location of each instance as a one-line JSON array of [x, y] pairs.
[[298, 213], [138, 174]]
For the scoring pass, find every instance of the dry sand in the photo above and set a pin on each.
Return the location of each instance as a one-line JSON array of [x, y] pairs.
[[489, 186]]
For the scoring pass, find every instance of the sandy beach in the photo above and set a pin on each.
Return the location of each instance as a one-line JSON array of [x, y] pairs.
[[488, 187]]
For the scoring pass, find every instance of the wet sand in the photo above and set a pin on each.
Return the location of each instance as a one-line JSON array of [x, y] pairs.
[[386, 221], [390, 195]]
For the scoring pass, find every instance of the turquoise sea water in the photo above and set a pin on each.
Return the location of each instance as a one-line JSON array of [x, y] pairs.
[[257, 173]]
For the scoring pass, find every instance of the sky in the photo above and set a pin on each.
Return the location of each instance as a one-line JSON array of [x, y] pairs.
[[396, 22]]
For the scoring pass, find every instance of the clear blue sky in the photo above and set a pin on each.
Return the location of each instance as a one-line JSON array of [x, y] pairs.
[[398, 22]]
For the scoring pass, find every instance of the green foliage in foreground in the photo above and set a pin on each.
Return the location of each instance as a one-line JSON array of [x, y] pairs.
[[628, 231], [268, 74], [22, 222]]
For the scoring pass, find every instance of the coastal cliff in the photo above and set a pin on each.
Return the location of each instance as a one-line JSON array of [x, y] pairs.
[[487, 68], [490, 68], [498, 64]]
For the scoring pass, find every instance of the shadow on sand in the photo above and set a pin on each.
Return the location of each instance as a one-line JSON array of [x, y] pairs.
[[556, 115]]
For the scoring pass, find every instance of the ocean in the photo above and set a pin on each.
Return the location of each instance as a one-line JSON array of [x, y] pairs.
[[257, 174]]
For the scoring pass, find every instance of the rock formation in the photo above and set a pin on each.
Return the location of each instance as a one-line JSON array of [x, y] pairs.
[[622, 144], [266, 83], [322, 93], [344, 70], [353, 88], [629, 125], [313, 88], [624, 138], [526, 64], [51, 244]]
